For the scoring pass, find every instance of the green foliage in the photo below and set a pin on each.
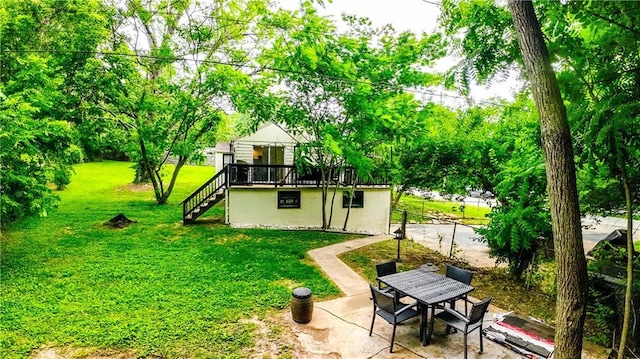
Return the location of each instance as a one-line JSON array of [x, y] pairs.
[[593, 44], [522, 222], [40, 97], [488, 44], [169, 101], [155, 287], [344, 92], [599, 309], [495, 148], [61, 177]]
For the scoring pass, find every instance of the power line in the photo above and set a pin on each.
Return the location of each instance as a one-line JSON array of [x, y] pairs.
[[260, 68], [432, 2]]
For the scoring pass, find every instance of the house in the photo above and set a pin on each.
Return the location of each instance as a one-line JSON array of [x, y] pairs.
[[262, 188], [270, 144]]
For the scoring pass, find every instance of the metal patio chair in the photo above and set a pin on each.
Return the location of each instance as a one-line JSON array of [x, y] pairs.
[[388, 268], [461, 275], [466, 324], [394, 312]]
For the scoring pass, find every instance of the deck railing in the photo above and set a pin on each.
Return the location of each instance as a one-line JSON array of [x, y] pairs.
[[205, 193], [213, 190], [286, 175]]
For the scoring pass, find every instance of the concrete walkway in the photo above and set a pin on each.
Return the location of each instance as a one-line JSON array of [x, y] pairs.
[[340, 327], [349, 282]]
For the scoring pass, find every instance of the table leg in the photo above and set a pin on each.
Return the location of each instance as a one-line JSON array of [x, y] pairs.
[[427, 336], [423, 320]]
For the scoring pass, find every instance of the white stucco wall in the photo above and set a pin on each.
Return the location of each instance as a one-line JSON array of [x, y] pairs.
[[258, 207]]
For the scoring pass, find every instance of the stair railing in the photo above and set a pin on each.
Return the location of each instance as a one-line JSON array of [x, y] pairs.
[[206, 192]]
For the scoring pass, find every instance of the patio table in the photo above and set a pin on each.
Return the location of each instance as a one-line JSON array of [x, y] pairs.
[[429, 289]]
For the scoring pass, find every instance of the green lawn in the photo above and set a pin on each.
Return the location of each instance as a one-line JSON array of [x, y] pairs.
[[420, 210], [155, 287]]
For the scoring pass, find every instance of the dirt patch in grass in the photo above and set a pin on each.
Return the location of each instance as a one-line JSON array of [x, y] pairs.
[[135, 187], [273, 338], [119, 221], [85, 353]]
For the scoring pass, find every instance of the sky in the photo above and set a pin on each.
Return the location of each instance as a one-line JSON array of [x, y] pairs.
[[417, 16]]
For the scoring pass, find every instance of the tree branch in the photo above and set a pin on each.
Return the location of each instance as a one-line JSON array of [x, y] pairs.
[[611, 21]]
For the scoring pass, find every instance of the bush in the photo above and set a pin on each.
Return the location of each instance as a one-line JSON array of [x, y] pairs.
[[61, 177]]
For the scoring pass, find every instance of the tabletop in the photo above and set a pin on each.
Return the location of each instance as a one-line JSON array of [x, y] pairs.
[[426, 286]]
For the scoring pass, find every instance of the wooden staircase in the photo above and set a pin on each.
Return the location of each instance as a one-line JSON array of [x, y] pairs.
[[205, 197]]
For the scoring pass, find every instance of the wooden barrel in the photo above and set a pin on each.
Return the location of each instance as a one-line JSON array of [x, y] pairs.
[[301, 305]]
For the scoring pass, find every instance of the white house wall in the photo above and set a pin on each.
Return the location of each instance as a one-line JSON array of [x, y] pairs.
[[258, 207], [268, 135], [243, 152]]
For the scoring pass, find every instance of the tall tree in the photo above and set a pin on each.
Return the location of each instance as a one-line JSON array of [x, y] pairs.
[[601, 81], [561, 179], [171, 75], [593, 45], [344, 92]]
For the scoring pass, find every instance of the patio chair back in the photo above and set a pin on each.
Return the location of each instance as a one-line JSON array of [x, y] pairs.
[[391, 310], [459, 274], [466, 324], [478, 310], [383, 300], [463, 276], [386, 268]]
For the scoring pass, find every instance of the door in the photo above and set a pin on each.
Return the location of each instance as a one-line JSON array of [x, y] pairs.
[[267, 155]]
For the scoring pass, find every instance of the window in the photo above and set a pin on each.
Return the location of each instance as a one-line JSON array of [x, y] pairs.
[[356, 202], [227, 158], [288, 199]]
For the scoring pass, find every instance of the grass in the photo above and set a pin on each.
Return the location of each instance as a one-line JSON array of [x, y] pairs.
[[420, 210], [156, 287]]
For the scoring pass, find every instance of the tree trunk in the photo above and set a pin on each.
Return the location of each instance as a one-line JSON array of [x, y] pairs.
[[561, 177], [325, 192], [396, 197], [141, 176], [352, 192], [628, 293], [146, 165], [174, 177]]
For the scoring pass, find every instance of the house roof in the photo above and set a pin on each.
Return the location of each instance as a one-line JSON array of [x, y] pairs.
[[269, 132], [223, 147]]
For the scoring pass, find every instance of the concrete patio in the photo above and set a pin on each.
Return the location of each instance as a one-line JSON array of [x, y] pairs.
[[340, 327]]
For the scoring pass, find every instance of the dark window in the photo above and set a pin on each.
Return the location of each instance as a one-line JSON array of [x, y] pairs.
[[288, 199], [356, 202]]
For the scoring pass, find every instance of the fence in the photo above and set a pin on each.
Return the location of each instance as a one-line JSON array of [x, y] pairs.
[[451, 239]]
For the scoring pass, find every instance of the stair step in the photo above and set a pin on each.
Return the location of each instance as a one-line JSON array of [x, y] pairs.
[[209, 199]]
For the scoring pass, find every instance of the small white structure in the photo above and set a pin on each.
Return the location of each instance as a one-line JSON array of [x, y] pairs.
[[262, 188], [301, 208]]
